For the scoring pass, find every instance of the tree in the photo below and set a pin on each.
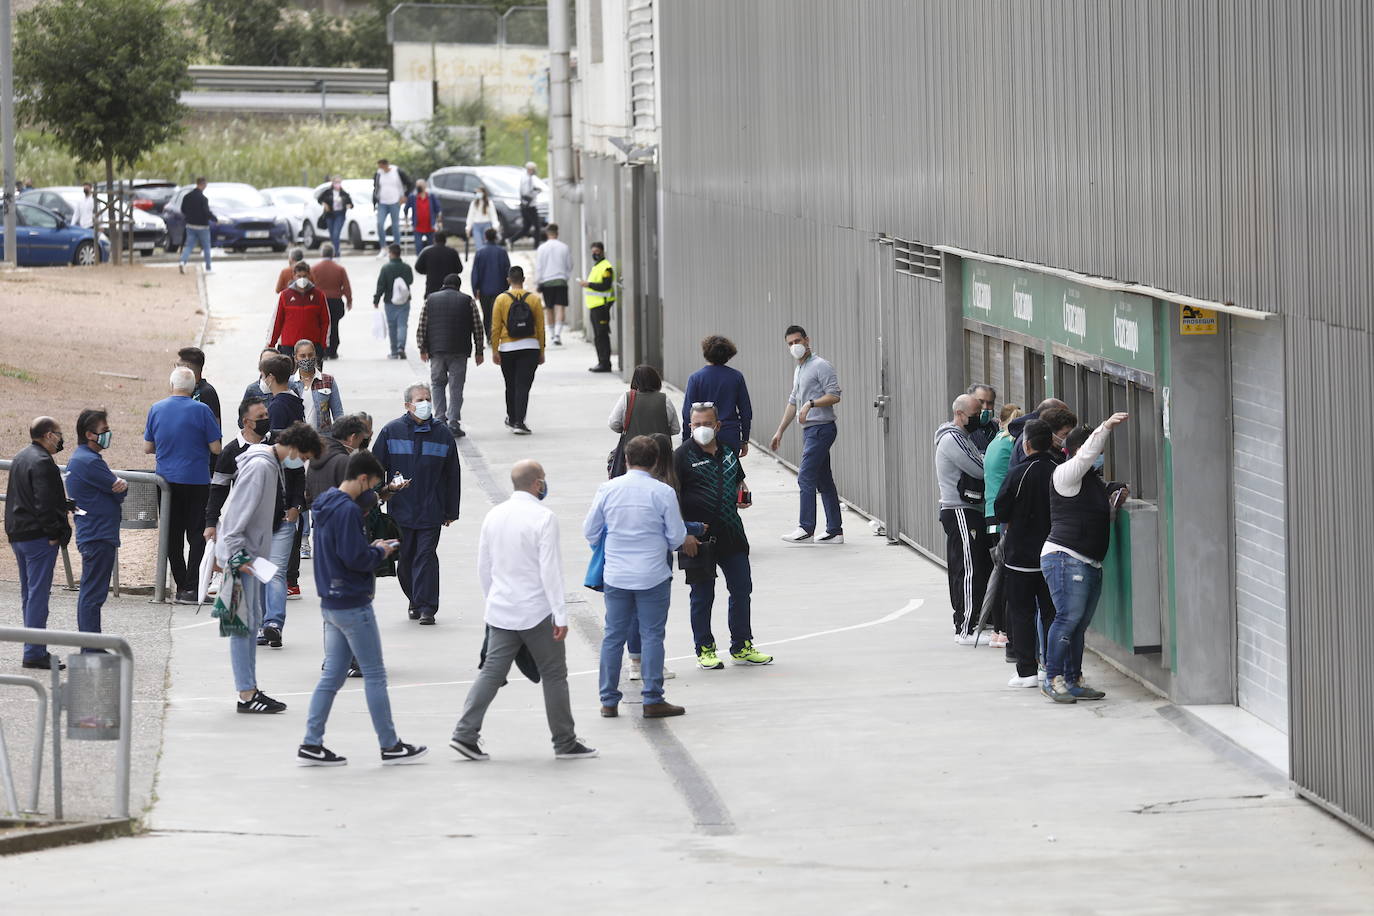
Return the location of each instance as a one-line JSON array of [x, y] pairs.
[[103, 77], [249, 33]]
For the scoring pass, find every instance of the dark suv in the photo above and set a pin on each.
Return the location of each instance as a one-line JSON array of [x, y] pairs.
[[455, 186]]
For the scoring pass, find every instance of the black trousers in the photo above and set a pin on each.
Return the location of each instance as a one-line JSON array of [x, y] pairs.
[[600, 318], [1030, 611], [417, 568], [293, 565], [186, 528], [336, 313], [488, 304], [968, 564], [518, 367], [529, 225]]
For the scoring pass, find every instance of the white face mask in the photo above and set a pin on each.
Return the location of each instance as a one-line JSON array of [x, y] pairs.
[[704, 435], [263, 384], [424, 410], [302, 283], [797, 350]]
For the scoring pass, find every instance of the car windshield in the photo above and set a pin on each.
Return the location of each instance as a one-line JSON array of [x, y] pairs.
[[500, 183], [236, 197], [290, 197]]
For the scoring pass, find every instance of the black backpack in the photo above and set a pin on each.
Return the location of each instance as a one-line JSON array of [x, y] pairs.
[[519, 318]]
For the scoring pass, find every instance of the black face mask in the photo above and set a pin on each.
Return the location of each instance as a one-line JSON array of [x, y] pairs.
[[262, 427], [365, 443], [61, 444]]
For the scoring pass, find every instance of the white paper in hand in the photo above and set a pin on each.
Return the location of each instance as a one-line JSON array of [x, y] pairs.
[[264, 569]]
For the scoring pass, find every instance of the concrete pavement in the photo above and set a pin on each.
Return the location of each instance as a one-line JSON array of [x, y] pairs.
[[875, 767]]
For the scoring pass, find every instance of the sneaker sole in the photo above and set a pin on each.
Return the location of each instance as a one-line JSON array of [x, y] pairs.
[[311, 762], [402, 761], [716, 667], [261, 712], [587, 756], [1064, 701], [469, 754], [745, 661]]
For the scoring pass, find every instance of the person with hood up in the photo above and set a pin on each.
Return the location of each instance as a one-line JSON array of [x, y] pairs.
[[302, 313], [959, 472]]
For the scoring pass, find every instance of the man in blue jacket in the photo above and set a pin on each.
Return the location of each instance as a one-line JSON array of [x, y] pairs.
[[344, 562], [426, 455], [99, 496], [490, 270]]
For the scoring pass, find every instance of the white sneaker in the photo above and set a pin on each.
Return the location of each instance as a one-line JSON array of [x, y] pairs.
[[669, 674], [830, 539], [215, 581], [634, 674], [961, 639], [798, 537], [1030, 680]]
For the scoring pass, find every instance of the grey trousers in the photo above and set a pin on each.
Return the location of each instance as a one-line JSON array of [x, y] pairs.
[[549, 656], [448, 371]]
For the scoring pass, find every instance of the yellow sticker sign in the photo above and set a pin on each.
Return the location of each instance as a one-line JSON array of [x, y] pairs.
[[1195, 321]]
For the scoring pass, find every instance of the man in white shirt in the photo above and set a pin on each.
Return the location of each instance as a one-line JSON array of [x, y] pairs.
[[553, 269], [85, 208], [529, 209], [390, 185], [520, 568]]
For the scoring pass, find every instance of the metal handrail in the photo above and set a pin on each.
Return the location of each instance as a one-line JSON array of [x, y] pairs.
[[14, 680], [120, 647]]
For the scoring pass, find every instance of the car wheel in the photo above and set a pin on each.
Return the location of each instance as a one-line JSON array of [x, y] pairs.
[[85, 254], [308, 237], [355, 237]]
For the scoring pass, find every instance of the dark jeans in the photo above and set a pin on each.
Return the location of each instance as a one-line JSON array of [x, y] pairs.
[[740, 583], [187, 524], [1030, 612], [335, 220], [293, 563], [529, 225], [1075, 587], [518, 367], [815, 476], [488, 304], [97, 565], [417, 568], [336, 313], [600, 317], [967, 564], [36, 560]]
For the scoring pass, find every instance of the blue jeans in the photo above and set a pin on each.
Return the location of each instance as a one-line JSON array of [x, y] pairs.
[[740, 583], [36, 560], [624, 606], [1075, 587], [348, 634], [202, 238], [335, 222], [97, 565], [283, 539], [394, 212], [814, 476], [422, 240], [396, 318], [243, 650]]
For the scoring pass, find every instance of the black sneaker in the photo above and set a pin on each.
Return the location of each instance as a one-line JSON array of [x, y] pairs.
[[578, 751], [471, 751], [413, 614], [317, 755], [46, 663], [426, 620], [262, 640], [272, 636], [521, 429], [186, 596], [261, 703], [600, 369], [354, 670], [457, 432], [402, 753], [508, 422]]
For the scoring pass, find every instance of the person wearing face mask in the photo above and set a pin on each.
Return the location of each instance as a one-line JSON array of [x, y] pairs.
[[302, 312], [1057, 414], [710, 481], [520, 569], [598, 292], [517, 346], [36, 525], [815, 392], [288, 273], [482, 217], [255, 510], [983, 426], [424, 452], [253, 428], [99, 494], [318, 391], [959, 473], [261, 387], [336, 202]]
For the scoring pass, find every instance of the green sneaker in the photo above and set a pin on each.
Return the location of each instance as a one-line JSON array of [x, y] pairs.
[[748, 655], [707, 658]]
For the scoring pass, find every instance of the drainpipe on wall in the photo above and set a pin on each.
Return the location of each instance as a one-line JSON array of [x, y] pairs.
[[567, 189]]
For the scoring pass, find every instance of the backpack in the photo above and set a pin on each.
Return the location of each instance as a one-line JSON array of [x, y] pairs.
[[400, 291], [519, 318]]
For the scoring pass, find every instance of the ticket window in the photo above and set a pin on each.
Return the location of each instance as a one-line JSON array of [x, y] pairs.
[[1017, 372], [1095, 393]]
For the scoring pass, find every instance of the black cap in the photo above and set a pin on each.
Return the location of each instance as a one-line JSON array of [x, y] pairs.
[[453, 281]]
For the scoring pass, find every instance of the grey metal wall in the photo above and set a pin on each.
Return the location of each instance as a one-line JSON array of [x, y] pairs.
[[1215, 147]]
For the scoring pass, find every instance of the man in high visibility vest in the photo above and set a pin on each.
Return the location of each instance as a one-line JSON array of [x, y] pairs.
[[599, 294]]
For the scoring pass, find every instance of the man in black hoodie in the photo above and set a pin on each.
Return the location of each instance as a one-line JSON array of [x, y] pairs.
[[36, 525]]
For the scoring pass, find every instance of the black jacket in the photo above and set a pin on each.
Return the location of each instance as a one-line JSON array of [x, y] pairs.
[[326, 199], [436, 262], [196, 209], [1024, 506], [35, 502], [449, 323]]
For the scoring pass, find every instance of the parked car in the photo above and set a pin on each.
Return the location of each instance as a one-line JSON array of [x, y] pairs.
[[246, 218], [300, 208], [150, 194], [44, 237], [455, 186], [360, 227], [149, 230]]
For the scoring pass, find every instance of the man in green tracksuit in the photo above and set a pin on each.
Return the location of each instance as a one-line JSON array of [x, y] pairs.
[[397, 298]]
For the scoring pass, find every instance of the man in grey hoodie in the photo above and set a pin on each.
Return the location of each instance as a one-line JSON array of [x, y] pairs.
[[959, 472], [257, 505]]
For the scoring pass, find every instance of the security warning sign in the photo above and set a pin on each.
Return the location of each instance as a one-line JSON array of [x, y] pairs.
[[1193, 322]]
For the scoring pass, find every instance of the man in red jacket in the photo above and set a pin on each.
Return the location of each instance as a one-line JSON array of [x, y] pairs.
[[302, 313]]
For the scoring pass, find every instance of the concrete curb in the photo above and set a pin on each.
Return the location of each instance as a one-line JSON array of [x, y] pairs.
[[52, 835]]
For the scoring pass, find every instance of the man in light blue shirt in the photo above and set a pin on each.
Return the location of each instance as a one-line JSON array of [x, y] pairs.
[[815, 392], [642, 525]]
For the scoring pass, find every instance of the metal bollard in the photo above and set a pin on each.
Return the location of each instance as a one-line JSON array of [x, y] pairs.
[[91, 697]]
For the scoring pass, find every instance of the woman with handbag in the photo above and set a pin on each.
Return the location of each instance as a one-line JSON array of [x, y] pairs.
[[644, 410]]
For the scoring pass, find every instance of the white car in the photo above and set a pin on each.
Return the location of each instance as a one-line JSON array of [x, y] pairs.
[[299, 207], [360, 225]]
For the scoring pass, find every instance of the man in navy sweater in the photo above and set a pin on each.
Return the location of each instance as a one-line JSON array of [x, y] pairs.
[[344, 562]]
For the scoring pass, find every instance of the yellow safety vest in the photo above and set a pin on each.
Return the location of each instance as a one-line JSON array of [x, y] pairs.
[[595, 299]]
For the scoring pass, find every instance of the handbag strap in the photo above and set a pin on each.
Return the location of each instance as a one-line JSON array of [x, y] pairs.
[[629, 410]]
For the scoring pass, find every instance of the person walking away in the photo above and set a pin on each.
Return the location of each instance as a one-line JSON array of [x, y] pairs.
[[450, 330], [710, 481], [644, 409], [319, 391], [437, 261], [815, 392], [183, 434], [195, 209], [336, 202], [253, 513], [663, 471], [36, 526], [193, 358], [520, 569], [482, 217], [996, 460], [490, 270], [1023, 506], [390, 185], [553, 270], [599, 296], [99, 498], [426, 455], [641, 523], [302, 313], [983, 427], [517, 346], [285, 408], [724, 388], [1081, 506], [288, 273], [393, 288], [424, 214], [959, 473], [331, 278], [529, 211], [344, 562]]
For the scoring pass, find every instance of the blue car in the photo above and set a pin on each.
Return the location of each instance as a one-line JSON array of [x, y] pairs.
[[244, 218], [46, 238]]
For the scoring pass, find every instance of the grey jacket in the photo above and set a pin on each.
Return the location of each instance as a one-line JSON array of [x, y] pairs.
[[245, 522], [955, 454]]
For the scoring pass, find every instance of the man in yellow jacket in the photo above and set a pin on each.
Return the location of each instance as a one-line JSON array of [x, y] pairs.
[[599, 294], [517, 345]]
